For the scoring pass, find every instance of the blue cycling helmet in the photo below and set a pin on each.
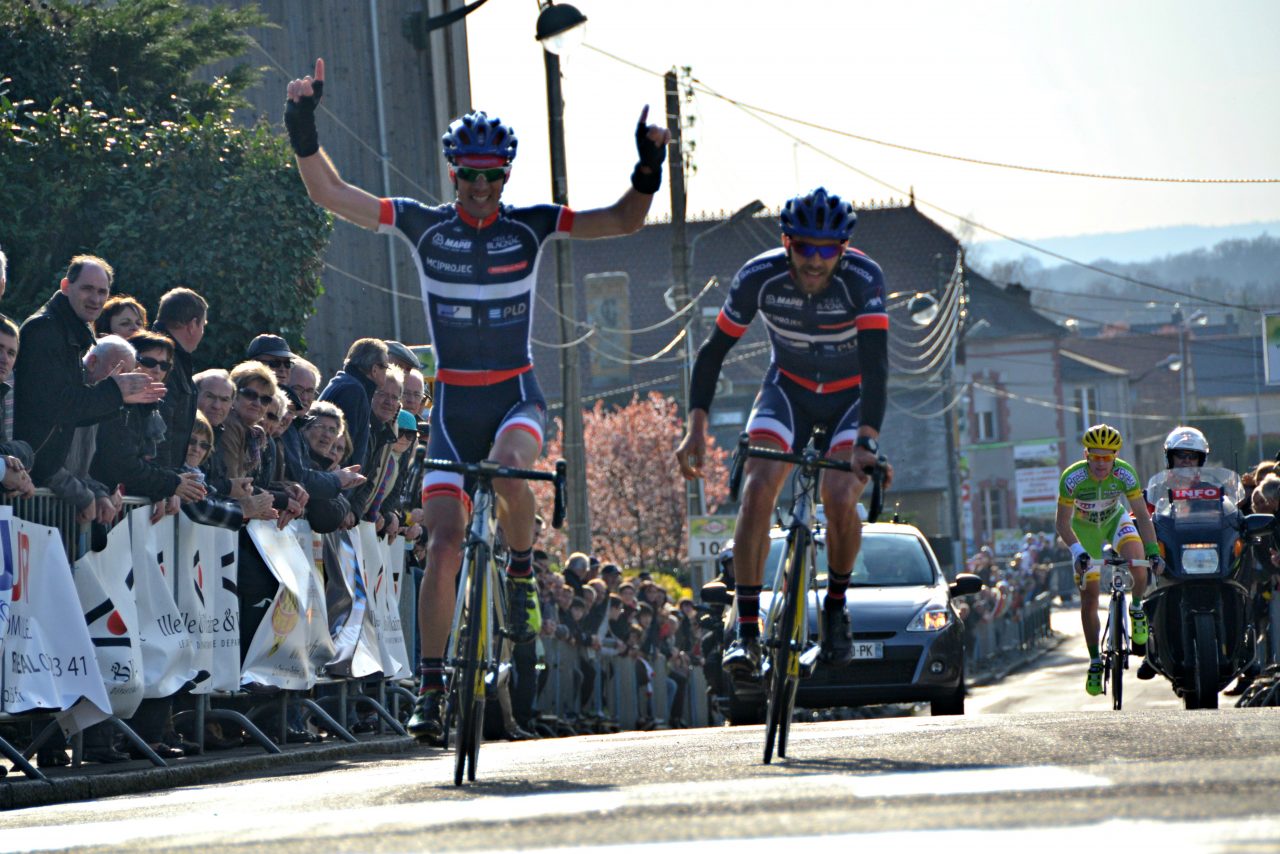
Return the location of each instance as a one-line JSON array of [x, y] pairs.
[[819, 215], [477, 134]]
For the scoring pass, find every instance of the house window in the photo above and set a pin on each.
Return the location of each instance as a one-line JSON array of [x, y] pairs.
[[990, 511], [986, 426], [1087, 404], [985, 416]]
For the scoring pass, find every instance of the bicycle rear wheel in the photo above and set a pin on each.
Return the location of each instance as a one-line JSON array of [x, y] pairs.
[[470, 671], [1118, 646], [785, 633]]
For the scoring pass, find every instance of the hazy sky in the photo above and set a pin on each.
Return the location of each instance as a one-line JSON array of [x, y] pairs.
[[1161, 89]]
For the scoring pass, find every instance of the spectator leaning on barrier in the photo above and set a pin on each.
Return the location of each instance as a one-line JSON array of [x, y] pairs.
[[183, 315], [51, 396], [304, 385], [94, 501], [218, 510], [121, 315], [127, 443], [352, 390], [381, 462], [15, 456]]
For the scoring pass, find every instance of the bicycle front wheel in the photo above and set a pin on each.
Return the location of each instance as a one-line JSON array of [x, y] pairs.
[[470, 671], [785, 635], [1118, 646]]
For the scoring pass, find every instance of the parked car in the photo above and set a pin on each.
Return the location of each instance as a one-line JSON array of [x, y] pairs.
[[908, 638]]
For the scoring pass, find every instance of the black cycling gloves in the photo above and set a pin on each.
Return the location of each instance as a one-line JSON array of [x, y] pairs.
[[651, 157], [300, 121]]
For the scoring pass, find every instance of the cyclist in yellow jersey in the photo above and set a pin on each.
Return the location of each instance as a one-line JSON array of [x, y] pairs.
[[1090, 514]]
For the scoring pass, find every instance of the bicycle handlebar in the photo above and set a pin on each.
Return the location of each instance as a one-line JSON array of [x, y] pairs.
[[809, 457], [1113, 558], [487, 470]]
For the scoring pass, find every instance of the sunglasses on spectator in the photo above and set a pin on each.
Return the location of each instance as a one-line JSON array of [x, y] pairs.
[[251, 395], [273, 416], [466, 173], [826, 251], [198, 443], [277, 363], [149, 362]]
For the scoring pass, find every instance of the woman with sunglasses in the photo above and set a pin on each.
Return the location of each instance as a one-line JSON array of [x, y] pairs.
[[128, 443], [822, 302], [1091, 496]]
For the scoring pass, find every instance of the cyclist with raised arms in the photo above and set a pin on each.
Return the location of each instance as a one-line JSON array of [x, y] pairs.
[[1090, 514], [477, 263], [822, 302]]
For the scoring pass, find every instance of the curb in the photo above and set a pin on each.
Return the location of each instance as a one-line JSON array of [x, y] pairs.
[[1006, 668], [77, 786]]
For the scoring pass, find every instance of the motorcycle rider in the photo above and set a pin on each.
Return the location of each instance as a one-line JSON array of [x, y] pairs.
[[1184, 448], [1089, 515]]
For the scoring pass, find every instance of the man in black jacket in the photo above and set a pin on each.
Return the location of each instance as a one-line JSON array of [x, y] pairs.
[[182, 316], [51, 397]]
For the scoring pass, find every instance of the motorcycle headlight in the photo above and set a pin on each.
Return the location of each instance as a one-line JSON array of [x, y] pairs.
[[931, 619], [1200, 560]]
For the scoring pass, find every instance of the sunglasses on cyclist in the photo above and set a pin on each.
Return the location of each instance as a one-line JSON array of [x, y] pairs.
[[251, 395], [148, 362], [1101, 457], [466, 173], [825, 251]]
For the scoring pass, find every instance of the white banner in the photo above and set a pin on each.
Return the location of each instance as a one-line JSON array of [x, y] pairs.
[[104, 583], [356, 652], [196, 574], [383, 578], [168, 645], [224, 559], [49, 660], [281, 651]]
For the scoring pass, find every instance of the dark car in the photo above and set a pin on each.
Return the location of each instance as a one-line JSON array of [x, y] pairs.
[[908, 639]]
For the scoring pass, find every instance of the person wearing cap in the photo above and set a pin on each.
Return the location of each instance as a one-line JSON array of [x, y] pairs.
[[272, 351], [402, 356], [478, 275]]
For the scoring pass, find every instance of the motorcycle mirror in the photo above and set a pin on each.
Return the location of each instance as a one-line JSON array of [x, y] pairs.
[[1258, 523]]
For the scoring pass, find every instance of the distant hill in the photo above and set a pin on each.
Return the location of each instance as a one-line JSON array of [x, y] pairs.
[[1122, 247], [1244, 272]]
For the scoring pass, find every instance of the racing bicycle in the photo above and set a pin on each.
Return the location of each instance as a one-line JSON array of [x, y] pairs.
[[789, 651], [479, 644], [1115, 641]]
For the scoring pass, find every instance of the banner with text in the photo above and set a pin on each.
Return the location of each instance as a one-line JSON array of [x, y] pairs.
[[104, 582]]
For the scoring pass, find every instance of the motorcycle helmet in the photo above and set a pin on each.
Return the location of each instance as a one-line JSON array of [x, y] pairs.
[[1103, 437], [1186, 439], [819, 215]]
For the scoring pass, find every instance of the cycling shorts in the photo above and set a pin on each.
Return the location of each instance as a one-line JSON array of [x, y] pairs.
[[466, 420], [1116, 531], [787, 412]]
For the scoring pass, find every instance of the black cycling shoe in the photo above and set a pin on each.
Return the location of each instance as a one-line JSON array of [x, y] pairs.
[[837, 637], [1146, 671], [742, 660], [426, 725]]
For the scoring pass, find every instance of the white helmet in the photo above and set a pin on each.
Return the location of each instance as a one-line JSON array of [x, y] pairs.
[[1186, 439]]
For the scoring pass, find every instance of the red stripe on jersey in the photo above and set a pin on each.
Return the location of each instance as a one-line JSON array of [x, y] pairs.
[[473, 378], [823, 388], [386, 212], [844, 325], [873, 321], [728, 327], [565, 222]]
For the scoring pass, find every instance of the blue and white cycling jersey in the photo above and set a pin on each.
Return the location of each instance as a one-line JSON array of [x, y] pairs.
[[814, 338], [478, 280]]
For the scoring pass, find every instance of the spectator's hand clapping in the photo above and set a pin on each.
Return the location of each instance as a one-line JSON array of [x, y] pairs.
[[258, 506], [349, 477], [241, 488], [190, 488], [137, 387]]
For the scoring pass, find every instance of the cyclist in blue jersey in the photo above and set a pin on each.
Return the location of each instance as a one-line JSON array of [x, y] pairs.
[[477, 262], [822, 303]]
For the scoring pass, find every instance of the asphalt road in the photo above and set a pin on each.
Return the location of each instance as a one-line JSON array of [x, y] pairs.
[[1014, 772]]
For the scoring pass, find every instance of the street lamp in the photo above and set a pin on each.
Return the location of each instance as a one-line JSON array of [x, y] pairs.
[[1198, 318], [559, 27]]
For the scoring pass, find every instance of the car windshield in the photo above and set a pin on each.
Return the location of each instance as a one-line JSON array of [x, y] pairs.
[[885, 560]]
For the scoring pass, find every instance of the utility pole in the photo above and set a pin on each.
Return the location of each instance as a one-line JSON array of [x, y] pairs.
[[577, 507]]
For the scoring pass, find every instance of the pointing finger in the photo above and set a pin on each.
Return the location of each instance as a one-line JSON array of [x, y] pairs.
[[319, 75], [644, 114]]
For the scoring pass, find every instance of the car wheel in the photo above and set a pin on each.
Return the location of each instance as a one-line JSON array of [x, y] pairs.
[[952, 704]]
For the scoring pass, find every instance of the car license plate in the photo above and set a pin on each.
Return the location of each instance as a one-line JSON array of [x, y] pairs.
[[868, 649]]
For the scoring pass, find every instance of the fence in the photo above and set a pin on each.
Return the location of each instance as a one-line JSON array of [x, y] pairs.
[[1016, 630], [162, 617]]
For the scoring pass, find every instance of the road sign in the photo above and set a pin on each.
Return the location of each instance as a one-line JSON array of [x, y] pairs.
[[707, 535]]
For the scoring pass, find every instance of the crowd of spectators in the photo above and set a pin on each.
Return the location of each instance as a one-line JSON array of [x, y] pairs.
[[99, 399]]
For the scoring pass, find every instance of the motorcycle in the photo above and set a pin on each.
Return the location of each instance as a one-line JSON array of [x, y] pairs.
[[1202, 635]]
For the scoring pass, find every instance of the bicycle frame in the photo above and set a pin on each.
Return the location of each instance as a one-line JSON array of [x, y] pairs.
[[1115, 643]]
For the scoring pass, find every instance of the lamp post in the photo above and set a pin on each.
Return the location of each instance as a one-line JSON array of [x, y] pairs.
[[1198, 318], [559, 27]]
